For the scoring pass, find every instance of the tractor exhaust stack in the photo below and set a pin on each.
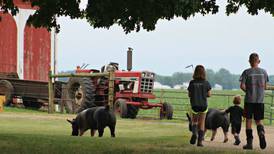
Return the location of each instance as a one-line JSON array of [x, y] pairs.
[[129, 59]]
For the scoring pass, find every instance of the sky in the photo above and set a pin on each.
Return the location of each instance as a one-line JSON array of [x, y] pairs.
[[215, 41]]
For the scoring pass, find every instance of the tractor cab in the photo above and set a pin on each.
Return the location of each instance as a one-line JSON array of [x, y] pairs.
[[112, 66]]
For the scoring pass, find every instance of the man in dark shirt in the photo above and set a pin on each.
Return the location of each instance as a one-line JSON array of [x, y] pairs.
[[236, 113], [253, 83]]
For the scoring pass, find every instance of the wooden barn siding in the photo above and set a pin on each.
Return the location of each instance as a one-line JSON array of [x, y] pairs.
[[8, 44], [37, 57], [26, 50], [23, 5]]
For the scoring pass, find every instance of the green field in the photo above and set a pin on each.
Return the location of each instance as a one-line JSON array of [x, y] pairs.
[[28, 131], [220, 99]]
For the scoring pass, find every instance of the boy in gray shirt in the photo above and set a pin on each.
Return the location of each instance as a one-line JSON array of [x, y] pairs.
[[253, 83]]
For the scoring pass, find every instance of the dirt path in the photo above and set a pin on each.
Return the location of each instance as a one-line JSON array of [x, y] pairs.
[[218, 142]]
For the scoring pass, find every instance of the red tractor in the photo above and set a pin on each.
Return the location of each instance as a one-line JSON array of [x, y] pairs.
[[132, 90]]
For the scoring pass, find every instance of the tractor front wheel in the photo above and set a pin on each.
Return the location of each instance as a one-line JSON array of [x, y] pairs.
[[121, 108], [132, 111], [126, 110], [166, 111]]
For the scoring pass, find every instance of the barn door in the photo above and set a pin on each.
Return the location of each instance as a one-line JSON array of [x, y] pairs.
[[37, 50]]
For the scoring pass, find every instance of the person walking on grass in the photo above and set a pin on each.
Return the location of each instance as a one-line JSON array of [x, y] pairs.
[[236, 113], [253, 83], [198, 91]]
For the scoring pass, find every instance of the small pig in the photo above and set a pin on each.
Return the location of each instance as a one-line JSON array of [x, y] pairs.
[[215, 119], [96, 118]]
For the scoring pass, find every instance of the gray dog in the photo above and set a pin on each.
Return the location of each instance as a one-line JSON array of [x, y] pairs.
[[96, 118]]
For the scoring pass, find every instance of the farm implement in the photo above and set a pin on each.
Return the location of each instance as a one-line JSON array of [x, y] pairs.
[[125, 91]]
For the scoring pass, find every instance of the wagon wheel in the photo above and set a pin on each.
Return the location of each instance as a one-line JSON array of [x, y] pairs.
[[167, 111], [121, 108], [6, 89], [82, 93]]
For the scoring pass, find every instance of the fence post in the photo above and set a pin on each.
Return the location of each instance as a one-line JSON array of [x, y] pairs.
[[161, 96], [228, 101], [111, 90], [50, 88], [271, 110], [63, 96]]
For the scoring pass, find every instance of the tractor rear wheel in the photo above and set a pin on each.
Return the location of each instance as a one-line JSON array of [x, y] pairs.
[[82, 93], [6, 89], [121, 108], [167, 111], [132, 111]]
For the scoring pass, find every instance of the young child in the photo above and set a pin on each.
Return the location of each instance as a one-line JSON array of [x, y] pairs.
[[198, 91], [253, 83], [236, 113]]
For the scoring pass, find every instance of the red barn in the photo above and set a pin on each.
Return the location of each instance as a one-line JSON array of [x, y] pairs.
[[24, 50]]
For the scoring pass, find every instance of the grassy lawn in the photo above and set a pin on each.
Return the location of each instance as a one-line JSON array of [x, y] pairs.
[[28, 131]]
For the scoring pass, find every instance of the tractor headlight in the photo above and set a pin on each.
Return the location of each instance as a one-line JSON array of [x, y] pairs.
[[143, 74]]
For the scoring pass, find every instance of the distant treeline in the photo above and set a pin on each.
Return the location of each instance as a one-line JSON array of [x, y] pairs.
[[222, 77]]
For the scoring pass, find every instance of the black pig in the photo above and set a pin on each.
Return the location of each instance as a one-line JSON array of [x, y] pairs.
[[96, 118], [215, 119]]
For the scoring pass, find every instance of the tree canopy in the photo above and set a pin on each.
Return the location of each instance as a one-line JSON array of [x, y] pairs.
[[131, 15]]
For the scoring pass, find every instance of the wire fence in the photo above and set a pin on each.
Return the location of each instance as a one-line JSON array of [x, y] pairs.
[[180, 103], [219, 99]]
